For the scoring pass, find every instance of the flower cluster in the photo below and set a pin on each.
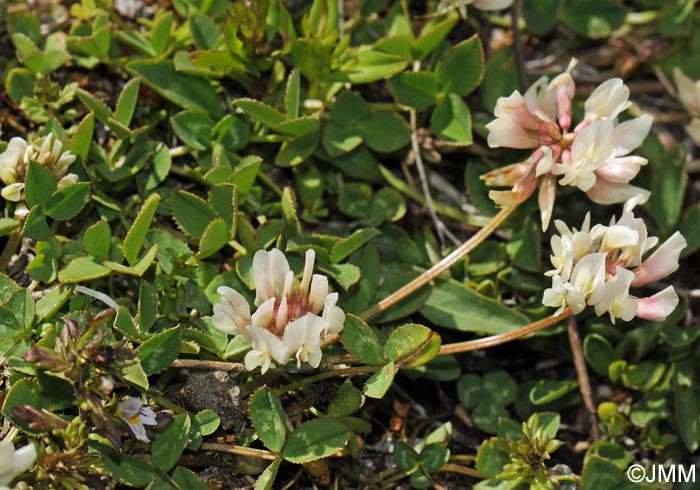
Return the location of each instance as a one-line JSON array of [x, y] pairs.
[[596, 266], [689, 94], [289, 320], [14, 461], [137, 415], [45, 151], [593, 156]]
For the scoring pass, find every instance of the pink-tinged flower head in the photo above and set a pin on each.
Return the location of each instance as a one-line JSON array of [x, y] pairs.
[[593, 156], [14, 461], [280, 304], [137, 415], [597, 266]]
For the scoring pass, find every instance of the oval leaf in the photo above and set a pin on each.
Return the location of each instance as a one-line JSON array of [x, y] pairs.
[[314, 440]]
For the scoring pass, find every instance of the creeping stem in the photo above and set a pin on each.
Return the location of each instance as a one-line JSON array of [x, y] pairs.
[[502, 338], [441, 266]]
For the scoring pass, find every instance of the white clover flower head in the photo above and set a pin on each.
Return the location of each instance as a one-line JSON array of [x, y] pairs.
[[45, 151], [597, 266], [14, 461], [137, 415], [593, 156], [281, 305]]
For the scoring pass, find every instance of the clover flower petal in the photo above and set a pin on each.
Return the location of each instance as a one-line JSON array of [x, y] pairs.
[[266, 348], [662, 262], [14, 461], [608, 100], [657, 307], [302, 338], [232, 314]]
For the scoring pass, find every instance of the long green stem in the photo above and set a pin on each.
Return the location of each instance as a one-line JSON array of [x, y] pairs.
[[502, 338], [441, 266]]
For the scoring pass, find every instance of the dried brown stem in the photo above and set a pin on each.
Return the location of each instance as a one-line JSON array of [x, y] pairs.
[[239, 450], [210, 365], [462, 470], [438, 268], [584, 383], [503, 338]]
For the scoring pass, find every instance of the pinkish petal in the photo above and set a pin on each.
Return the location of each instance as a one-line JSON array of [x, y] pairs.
[[662, 262], [630, 134], [621, 170], [515, 109], [606, 192], [545, 199], [506, 133], [657, 307]]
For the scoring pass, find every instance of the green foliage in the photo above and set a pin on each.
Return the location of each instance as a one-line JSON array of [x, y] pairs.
[[419, 465], [524, 453], [268, 418], [487, 397], [315, 439]]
